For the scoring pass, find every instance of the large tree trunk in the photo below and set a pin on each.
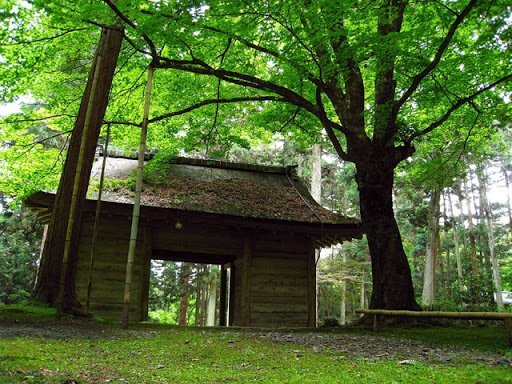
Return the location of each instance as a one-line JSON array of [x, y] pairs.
[[48, 280], [392, 283]]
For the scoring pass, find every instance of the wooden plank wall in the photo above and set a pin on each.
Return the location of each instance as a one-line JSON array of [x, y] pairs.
[[197, 238], [110, 269], [279, 282]]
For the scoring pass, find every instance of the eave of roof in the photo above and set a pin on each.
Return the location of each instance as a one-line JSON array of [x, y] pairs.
[[240, 194]]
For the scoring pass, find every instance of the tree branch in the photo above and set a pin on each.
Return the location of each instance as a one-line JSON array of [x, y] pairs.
[[456, 106], [198, 67], [44, 39], [117, 122], [439, 54], [133, 25], [328, 126], [32, 120], [214, 101]]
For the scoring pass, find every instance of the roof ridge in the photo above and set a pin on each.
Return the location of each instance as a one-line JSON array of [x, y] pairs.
[[211, 163]]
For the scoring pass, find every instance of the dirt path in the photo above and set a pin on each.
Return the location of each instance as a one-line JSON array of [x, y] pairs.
[[370, 348]]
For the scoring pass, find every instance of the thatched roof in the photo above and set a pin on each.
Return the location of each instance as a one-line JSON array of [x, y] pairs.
[[243, 191]]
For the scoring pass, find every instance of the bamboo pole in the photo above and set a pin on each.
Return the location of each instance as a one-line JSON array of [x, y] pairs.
[[96, 223], [76, 184], [439, 314], [136, 203], [378, 313]]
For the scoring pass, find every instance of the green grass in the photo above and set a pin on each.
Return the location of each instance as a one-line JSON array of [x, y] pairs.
[[27, 312], [152, 353]]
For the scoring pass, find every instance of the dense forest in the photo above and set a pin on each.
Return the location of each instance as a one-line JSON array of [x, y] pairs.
[[408, 101]]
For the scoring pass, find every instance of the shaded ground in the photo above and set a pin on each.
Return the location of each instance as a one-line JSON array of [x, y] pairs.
[[367, 347]]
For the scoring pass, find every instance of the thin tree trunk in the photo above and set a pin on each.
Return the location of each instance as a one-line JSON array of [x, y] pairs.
[[362, 298], [316, 173], [197, 320], [446, 274], [182, 320], [455, 240], [136, 203], [490, 233], [472, 240], [429, 283], [212, 300], [316, 193], [509, 208], [48, 281], [343, 305]]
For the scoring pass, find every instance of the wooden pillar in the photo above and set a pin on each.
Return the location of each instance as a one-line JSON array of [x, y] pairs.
[[223, 294], [508, 325], [311, 289], [245, 305], [145, 275], [376, 323], [231, 301]]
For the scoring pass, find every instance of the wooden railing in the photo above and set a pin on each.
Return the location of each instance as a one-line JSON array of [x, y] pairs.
[[379, 313]]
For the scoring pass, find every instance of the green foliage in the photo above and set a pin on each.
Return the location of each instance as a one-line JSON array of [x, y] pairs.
[[19, 250], [160, 162]]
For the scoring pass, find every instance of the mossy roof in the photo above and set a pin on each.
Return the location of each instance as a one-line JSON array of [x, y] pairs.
[[219, 187]]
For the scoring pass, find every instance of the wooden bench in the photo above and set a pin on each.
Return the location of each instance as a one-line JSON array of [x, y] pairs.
[[379, 313]]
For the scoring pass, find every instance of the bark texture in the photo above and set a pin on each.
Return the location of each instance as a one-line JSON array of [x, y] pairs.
[[392, 283], [47, 286]]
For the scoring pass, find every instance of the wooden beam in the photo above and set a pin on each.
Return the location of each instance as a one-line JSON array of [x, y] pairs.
[[439, 314], [191, 257], [378, 313]]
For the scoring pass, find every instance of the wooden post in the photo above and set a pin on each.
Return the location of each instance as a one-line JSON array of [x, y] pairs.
[[376, 323], [231, 300], [311, 288], [246, 283], [508, 325], [136, 204], [223, 295], [145, 275]]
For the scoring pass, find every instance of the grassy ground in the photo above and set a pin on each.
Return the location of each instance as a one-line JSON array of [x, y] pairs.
[[151, 353]]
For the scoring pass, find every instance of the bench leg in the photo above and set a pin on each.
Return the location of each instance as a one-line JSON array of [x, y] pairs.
[[508, 325], [376, 323]]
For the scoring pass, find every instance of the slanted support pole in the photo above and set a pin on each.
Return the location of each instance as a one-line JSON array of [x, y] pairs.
[[136, 205]]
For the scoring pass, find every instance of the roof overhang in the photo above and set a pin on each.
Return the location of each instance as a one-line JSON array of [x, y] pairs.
[[323, 234]]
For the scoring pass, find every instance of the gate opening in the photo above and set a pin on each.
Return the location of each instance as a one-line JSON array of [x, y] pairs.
[[187, 293]]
